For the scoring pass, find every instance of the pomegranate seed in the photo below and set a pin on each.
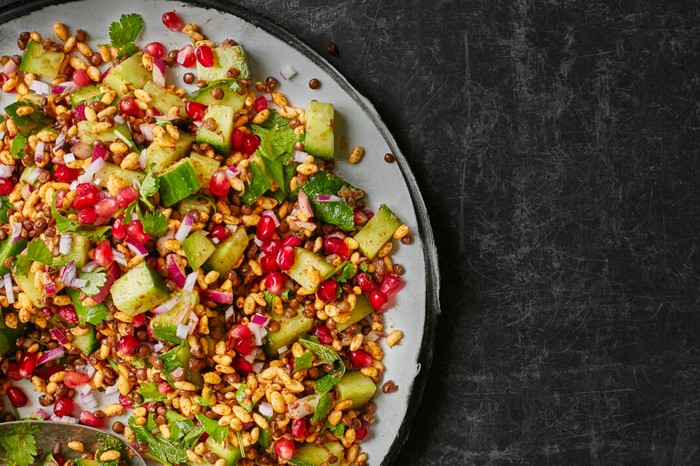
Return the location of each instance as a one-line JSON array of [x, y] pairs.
[[125, 402], [13, 371], [155, 49], [335, 245], [27, 364], [365, 282], [86, 195], [391, 285], [139, 320], [104, 254], [128, 107], [164, 387], [68, 314], [126, 196], [244, 347], [273, 282], [285, 449], [239, 331], [79, 112], [299, 428], [75, 379], [327, 291], [218, 184], [59, 197], [241, 338], [118, 228], [359, 217], [63, 407], [128, 344], [360, 358], [260, 104], [134, 230], [323, 334], [285, 257], [242, 366], [87, 216], [106, 207], [292, 241], [3, 78], [267, 263], [81, 78], [65, 174], [361, 433], [172, 21], [220, 233], [195, 110], [266, 228], [6, 186], [237, 139], [205, 56], [185, 57], [17, 397], [271, 247], [250, 143], [90, 420], [377, 299]]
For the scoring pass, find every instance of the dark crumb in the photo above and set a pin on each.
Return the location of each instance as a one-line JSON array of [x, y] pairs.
[[331, 48]]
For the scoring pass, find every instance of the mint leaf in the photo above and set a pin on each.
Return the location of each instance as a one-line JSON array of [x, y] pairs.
[[338, 213], [126, 30], [303, 362], [241, 397], [37, 251], [329, 356], [95, 280], [324, 406], [19, 444], [212, 427]]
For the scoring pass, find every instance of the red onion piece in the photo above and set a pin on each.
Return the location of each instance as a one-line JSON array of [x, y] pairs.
[[50, 288], [165, 307], [147, 130], [90, 171], [304, 204], [327, 198], [119, 257], [68, 274], [300, 156], [39, 152], [10, 67], [273, 216], [5, 171], [137, 249], [231, 172], [40, 88], [175, 270], [182, 331], [288, 72], [99, 152], [51, 355], [142, 159], [301, 407], [159, 72], [58, 335], [218, 296], [7, 279], [265, 409], [190, 282], [192, 324], [16, 232], [259, 319], [113, 273], [185, 228]]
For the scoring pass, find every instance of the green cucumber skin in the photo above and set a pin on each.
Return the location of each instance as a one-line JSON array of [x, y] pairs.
[[130, 72], [87, 342], [8, 250], [228, 252], [320, 140], [41, 62], [35, 295], [299, 271], [194, 203], [357, 387], [315, 455], [289, 332], [198, 248], [139, 290], [88, 136], [230, 454], [159, 159], [204, 167], [178, 183], [165, 325], [361, 310], [164, 100], [85, 94], [377, 231], [78, 253], [225, 57], [220, 138], [8, 336], [130, 176], [231, 96]]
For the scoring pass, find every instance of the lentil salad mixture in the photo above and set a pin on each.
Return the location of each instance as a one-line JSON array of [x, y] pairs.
[[191, 252]]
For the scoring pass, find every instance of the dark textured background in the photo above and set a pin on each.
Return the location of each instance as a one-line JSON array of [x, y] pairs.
[[556, 146]]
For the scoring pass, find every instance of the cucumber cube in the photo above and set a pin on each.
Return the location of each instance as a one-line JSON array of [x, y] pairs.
[[357, 387], [231, 96], [160, 158], [289, 332], [10, 249], [139, 290], [110, 169], [225, 58], [315, 455], [165, 325], [319, 129], [309, 269], [228, 253], [361, 310], [220, 138], [78, 253], [377, 231], [197, 248], [116, 133], [204, 166], [85, 94], [228, 453], [44, 63], [164, 100], [178, 182], [130, 72]]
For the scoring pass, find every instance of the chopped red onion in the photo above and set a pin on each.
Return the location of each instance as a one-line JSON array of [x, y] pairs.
[[111, 390], [190, 282], [81, 150], [302, 407], [272, 215], [304, 225], [58, 335], [265, 409], [9, 68], [175, 270], [185, 228], [258, 332], [282, 349], [231, 172], [372, 336], [258, 242], [51, 355], [34, 175], [258, 366], [98, 152], [300, 156], [90, 370], [7, 279], [39, 87], [88, 401], [181, 332], [304, 204], [218, 296], [157, 347], [50, 287], [69, 157], [16, 232], [39, 413], [288, 72], [69, 274], [159, 72], [5, 171], [65, 243], [119, 257], [166, 306], [147, 130], [137, 249], [228, 313], [90, 266], [60, 140], [327, 198], [89, 174], [259, 319], [142, 159], [192, 323], [66, 419], [119, 120], [64, 88], [39, 152]]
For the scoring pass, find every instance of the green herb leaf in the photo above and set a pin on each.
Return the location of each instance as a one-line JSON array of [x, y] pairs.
[[149, 186], [241, 397], [154, 223], [303, 362], [126, 30], [260, 182], [66, 225], [149, 392], [105, 443], [324, 406], [22, 265], [347, 271], [19, 444], [92, 315], [37, 251], [338, 429], [18, 144], [5, 205], [338, 213], [127, 50], [205, 401], [95, 280], [212, 427], [329, 356]]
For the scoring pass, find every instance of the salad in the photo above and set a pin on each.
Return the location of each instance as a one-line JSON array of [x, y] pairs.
[[191, 255]]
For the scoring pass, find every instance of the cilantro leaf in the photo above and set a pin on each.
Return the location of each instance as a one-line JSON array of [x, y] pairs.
[[5, 205], [95, 280], [149, 392], [347, 271], [91, 315], [127, 50], [126, 30], [19, 444], [149, 186], [107, 442], [212, 427], [240, 397], [22, 265], [338, 213], [37, 251], [329, 356], [338, 429], [18, 144], [154, 223], [325, 403], [303, 362]]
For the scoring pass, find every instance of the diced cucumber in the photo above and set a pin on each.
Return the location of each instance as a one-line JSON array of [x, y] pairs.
[[85, 94], [231, 97], [26, 123], [130, 176], [357, 387], [319, 129], [303, 275], [198, 203], [10, 249], [139, 290], [225, 58], [198, 248], [179, 357], [377, 231], [289, 332], [160, 158], [44, 63], [35, 295], [265, 438], [79, 247], [8, 336], [314, 455], [165, 325], [361, 310], [26, 173], [164, 100], [220, 138], [178, 182], [204, 167], [87, 342], [130, 72], [228, 252], [117, 133], [228, 453]]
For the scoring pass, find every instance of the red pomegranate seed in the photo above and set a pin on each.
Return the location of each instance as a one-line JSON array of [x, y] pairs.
[[285, 257], [27, 364], [81, 78], [360, 358], [327, 291], [126, 196], [79, 112], [335, 245], [5, 186], [164, 387], [155, 49], [268, 263], [285, 449], [237, 139], [172, 21], [244, 347], [86, 195], [359, 217], [391, 285], [13, 371], [128, 344], [218, 184], [139, 320], [242, 366], [87, 216], [195, 110], [239, 331], [271, 247], [128, 107], [260, 104], [377, 300], [205, 56], [292, 241], [323, 334], [63, 407], [65, 174], [266, 228], [3, 78], [104, 254], [185, 57], [134, 231], [241, 338], [274, 282], [17, 397], [365, 282], [125, 402], [361, 433], [75, 379], [220, 233], [90, 420], [68, 314], [118, 228], [106, 207], [250, 143], [299, 428]]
